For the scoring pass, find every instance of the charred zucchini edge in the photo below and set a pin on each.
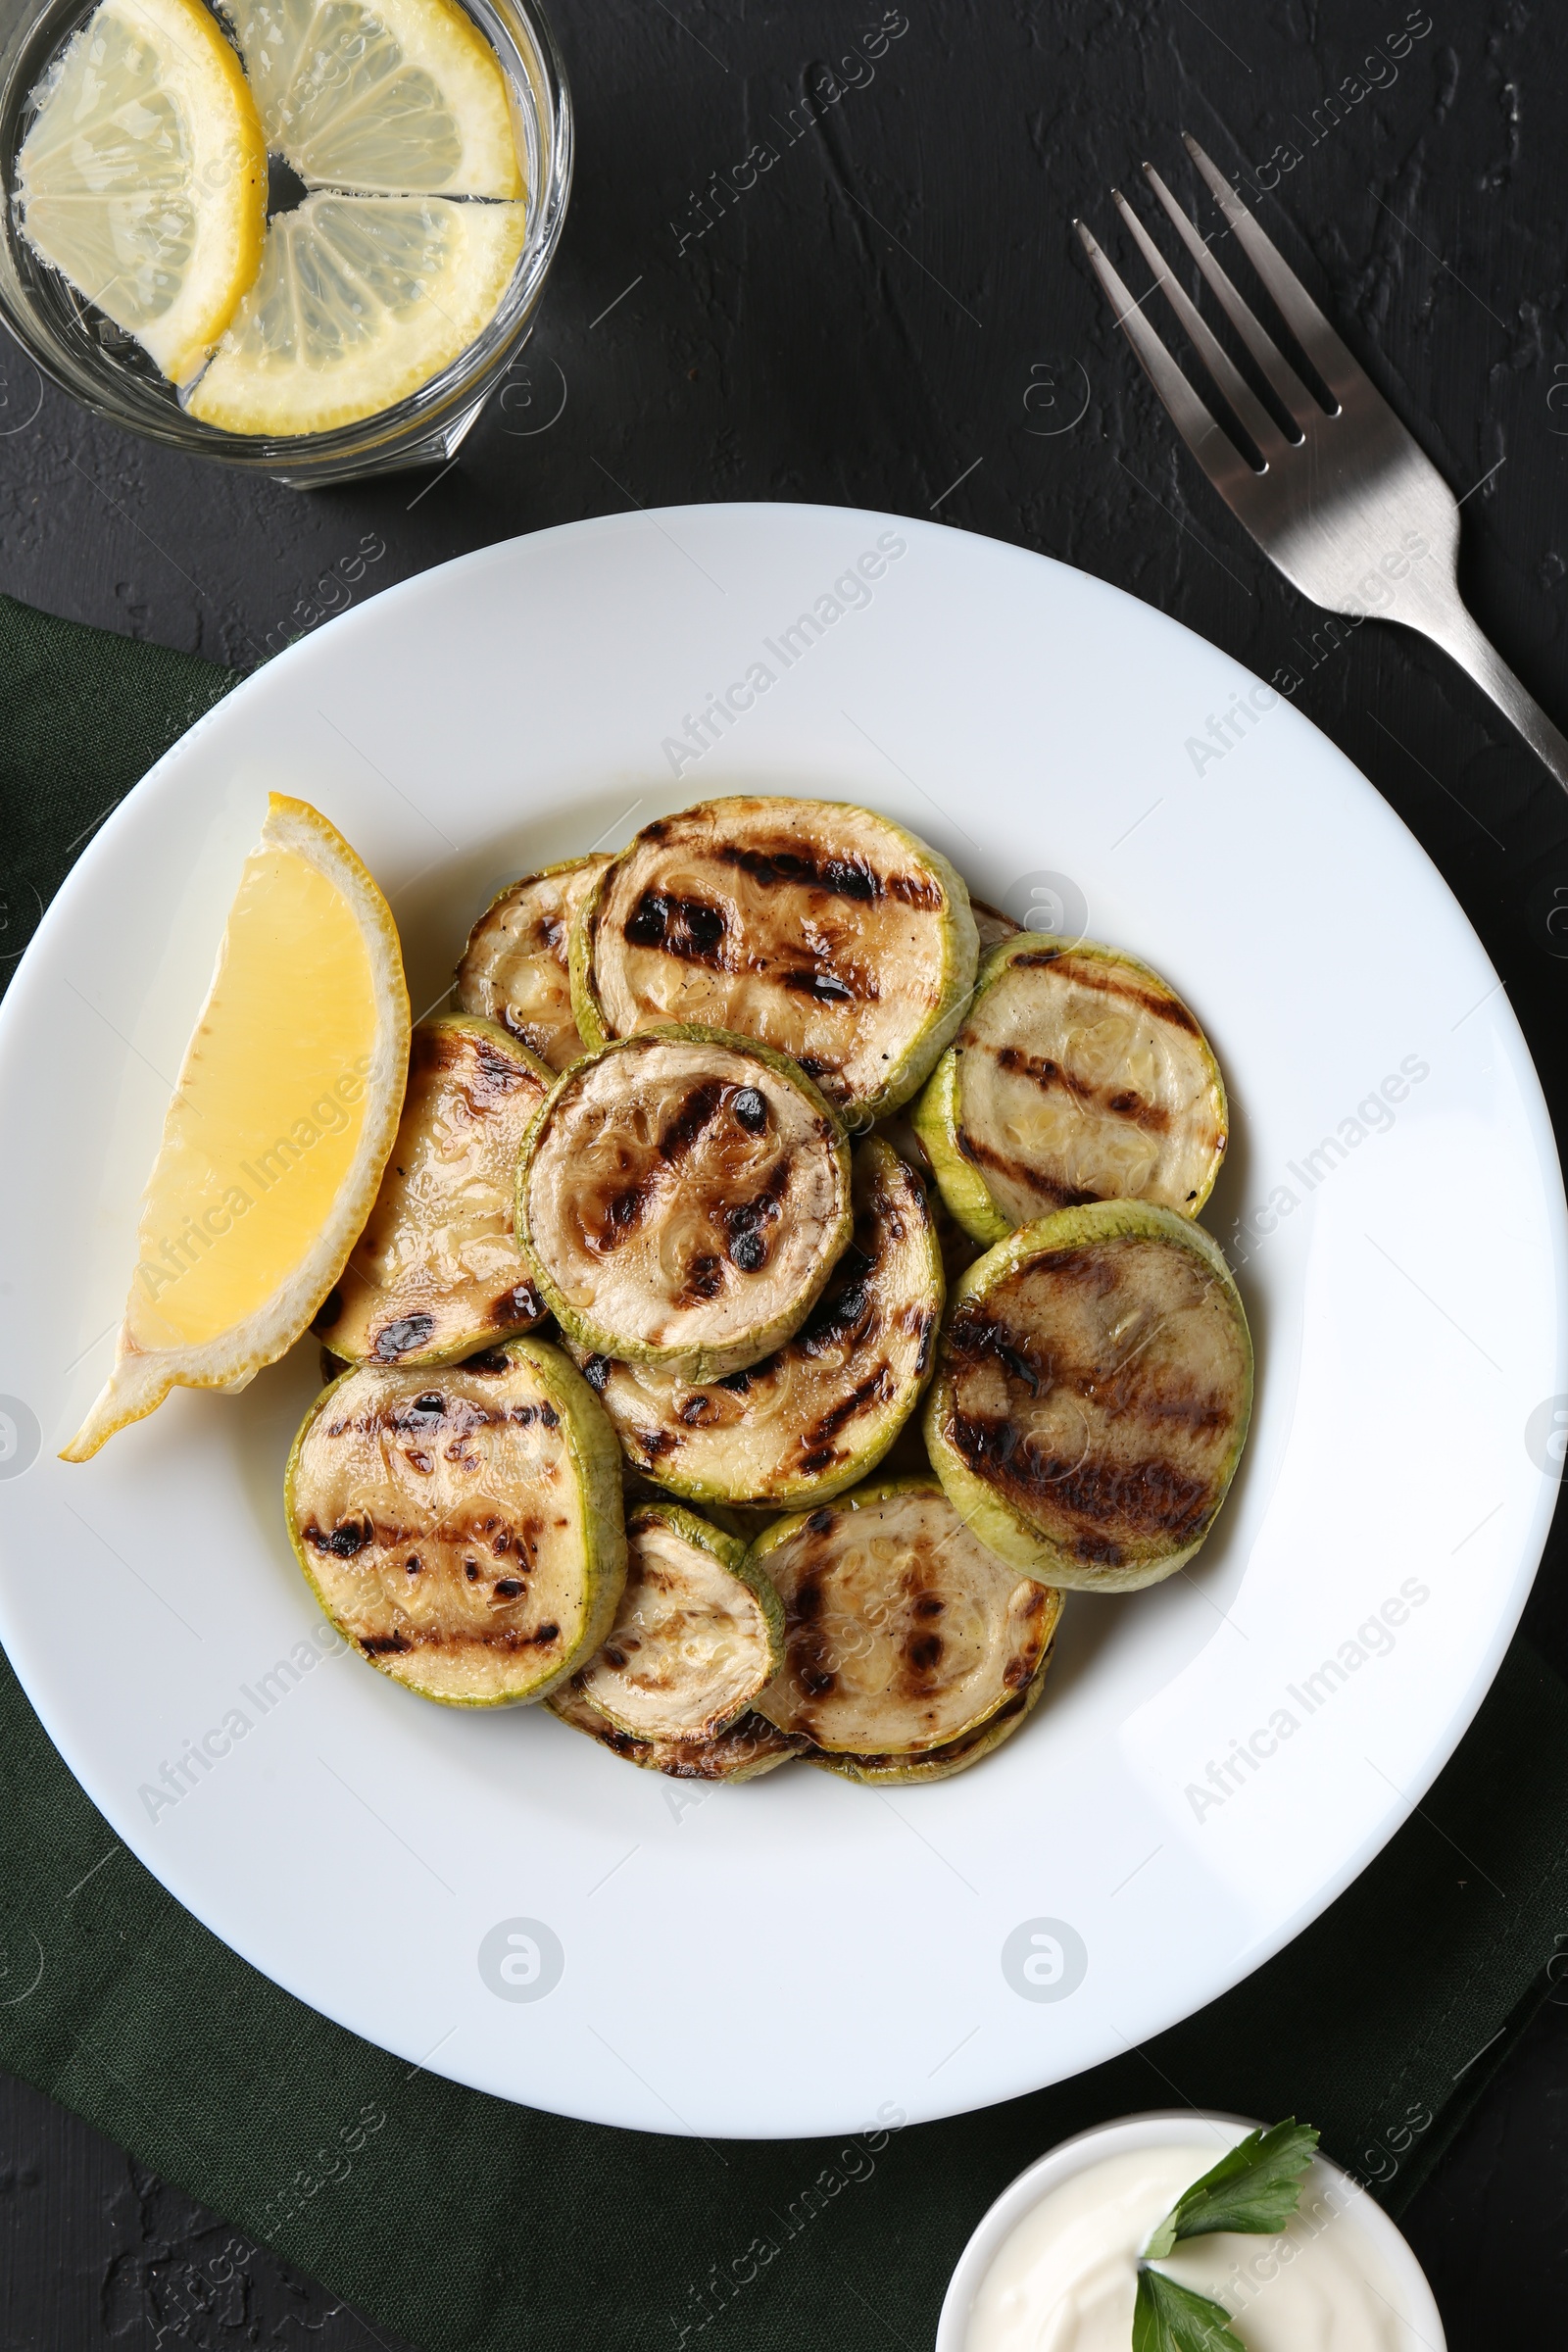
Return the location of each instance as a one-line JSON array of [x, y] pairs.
[[771, 1747]]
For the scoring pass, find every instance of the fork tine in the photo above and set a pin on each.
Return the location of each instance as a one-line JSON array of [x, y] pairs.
[[1210, 444], [1329, 356], [1249, 410], [1298, 400]]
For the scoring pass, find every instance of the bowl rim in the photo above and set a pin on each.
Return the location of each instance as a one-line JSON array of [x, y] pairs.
[[1124, 2135]]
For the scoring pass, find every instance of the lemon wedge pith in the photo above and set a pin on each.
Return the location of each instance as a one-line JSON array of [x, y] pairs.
[[277, 1133], [360, 301], [402, 98], [143, 178]]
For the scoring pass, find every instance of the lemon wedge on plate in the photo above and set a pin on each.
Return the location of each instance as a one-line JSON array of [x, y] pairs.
[[360, 301], [143, 178], [278, 1132], [404, 98]]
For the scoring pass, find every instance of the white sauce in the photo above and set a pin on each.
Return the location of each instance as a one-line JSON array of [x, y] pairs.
[[1066, 2279]]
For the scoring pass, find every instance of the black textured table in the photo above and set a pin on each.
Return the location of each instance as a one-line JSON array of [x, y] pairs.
[[824, 255]]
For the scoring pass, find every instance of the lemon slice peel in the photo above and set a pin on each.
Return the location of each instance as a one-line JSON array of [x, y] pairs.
[[143, 178]]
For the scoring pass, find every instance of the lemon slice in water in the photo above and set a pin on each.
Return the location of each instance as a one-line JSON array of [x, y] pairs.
[[404, 98], [143, 178], [360, 301], [278, 1132]]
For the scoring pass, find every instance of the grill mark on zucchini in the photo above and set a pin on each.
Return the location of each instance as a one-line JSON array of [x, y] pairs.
[[1149, 1496], [1047, 1074], [824, 987], [953, 1756], [874, 1389], [624, 1211], [694, 1115], [688, 928], [1088, 974], [1018, 1171], [693, 932], [836, 877], [505, 1638]]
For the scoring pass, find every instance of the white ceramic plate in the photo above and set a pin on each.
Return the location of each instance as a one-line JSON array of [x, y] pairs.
[[797, 1954]]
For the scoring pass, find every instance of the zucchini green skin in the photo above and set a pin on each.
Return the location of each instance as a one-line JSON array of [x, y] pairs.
[[438, 1651], [868, 1632], [432, 1315], [959, 1756], [718, 1543], [702, 1361], [1116, 1517], [538, 1011], [819, 1414], [949, 1123], [745, 1751], [935, 1120], [899, 1072], [600, 1682]]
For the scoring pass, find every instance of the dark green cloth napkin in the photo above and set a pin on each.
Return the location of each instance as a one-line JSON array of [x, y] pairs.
[[459, 2221]]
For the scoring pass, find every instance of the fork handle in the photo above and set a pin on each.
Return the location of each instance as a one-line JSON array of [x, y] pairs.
[[1451, 627]]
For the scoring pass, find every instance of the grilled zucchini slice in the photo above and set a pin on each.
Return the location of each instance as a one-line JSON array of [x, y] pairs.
[[515, 969], [957, 1755], [1078, 1075], [697, 1634], [1092, 1390], [748, 1749], [902, 1632], [819, 1414], [682, 1200], [462, 1528], [820, 928], [436, 1274]]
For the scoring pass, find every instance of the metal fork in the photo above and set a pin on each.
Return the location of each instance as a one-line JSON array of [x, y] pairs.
[[1351, 511]]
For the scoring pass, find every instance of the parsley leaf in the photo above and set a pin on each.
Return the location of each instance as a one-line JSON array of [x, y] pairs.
[[1257, 2187], [1168, 2318]]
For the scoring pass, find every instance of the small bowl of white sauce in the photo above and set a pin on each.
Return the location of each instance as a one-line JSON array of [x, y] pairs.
[[1054, 2266]]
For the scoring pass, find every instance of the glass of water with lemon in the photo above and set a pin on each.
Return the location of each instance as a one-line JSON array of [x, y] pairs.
[[305, 236]]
